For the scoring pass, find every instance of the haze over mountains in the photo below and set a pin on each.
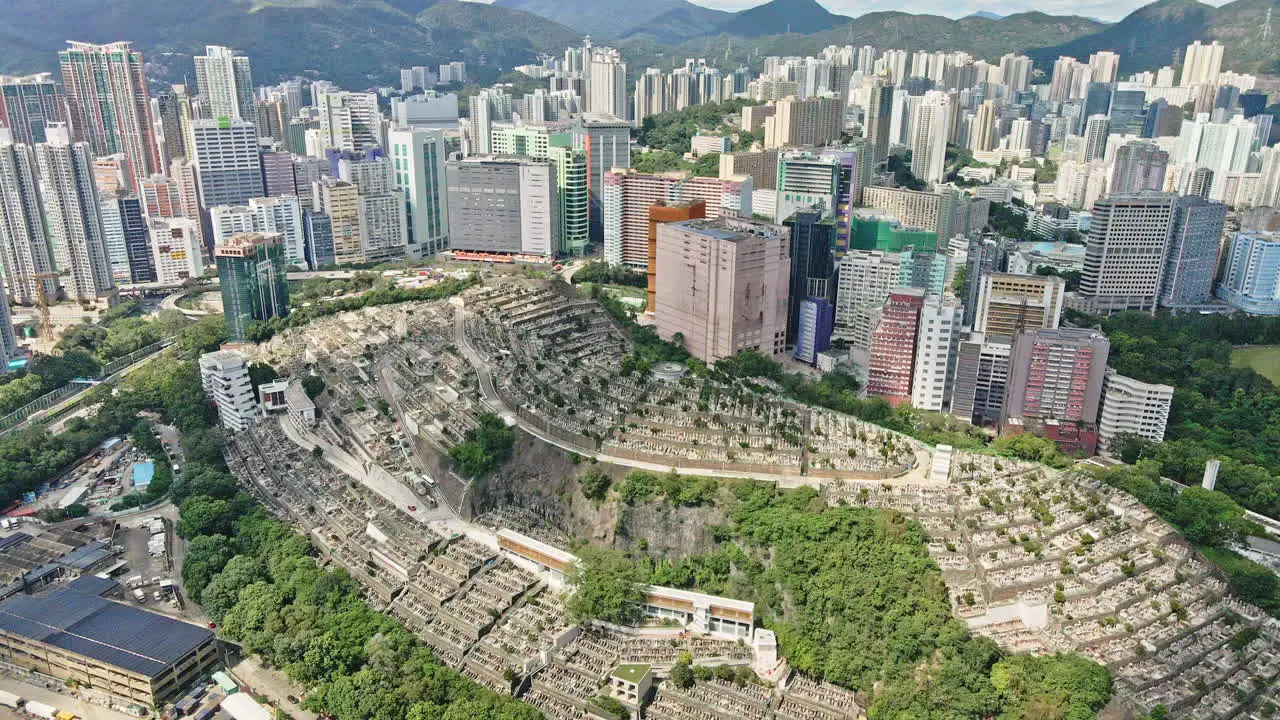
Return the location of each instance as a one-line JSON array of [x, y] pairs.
[[362, 42]]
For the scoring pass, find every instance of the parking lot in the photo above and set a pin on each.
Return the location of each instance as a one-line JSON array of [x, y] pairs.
[[146, 570]]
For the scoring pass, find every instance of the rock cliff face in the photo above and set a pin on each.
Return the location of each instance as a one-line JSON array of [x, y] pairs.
[[543, 480]]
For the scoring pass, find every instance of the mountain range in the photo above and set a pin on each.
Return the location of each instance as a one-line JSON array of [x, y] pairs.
[[361, 43]]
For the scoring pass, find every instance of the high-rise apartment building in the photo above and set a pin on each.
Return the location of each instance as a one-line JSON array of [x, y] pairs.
[[228, 162], [650, 94], [1096, 130], [281, 215], [1057, 375], [175, 250], [893, 347], [985, 127], [1201, 64], [224, 376], [1009, 304], [1125, 252], [607, 83], [546, 143], [1132, 407], [804, 122], [251, 272], [503, 205], [8, 341], [108, 104], [1104, 65], [381, 209], [628, 195], [980, 379], [350, 121], [1251, 276], [340, 202], [1138, 166], [762, 166], [722, 286], [24, 241], [72, 217], [30, 104], [1015, 71], [875, 127], [225, 84], [418, 156], [937, 343], [1191, 261]]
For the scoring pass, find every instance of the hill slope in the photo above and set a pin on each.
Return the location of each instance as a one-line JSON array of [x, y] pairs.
[[1155, 34], [800, 16], [354, 42], [606, 19]]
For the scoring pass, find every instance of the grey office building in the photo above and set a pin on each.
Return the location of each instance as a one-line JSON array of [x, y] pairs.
[[228, 162], [1139, 166], [502, 205], [1192, 259], [606, 140]]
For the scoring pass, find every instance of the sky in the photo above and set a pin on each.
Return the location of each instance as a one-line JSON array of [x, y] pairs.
[[1102, 10]]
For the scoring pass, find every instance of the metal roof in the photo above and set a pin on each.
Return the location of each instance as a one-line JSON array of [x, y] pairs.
[[92, 585], [109, 632]]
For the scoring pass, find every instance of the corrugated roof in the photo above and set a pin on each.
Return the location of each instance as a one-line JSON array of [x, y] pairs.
[[109, 632], [92, 585]]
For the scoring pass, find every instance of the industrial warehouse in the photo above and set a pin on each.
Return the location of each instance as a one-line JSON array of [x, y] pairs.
[[74, 633]]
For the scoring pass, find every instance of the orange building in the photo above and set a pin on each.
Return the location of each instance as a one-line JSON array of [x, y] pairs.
[[665, 212]]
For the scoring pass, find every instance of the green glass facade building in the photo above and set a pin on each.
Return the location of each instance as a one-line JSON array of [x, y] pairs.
[[877, 233], [251, 270], [543, 143]]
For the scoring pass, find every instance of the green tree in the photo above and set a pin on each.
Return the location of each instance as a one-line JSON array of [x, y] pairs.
[[595, 483], [203, 515], [607, 587]]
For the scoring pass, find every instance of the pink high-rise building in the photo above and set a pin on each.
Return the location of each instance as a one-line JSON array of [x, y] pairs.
[[628, 195], [893, 347], [722, 286]]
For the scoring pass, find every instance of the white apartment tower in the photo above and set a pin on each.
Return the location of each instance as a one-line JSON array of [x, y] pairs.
[[418, 156], [350, 121], [225, 84], [176, 251], [937, 339], [1132, 406], [607, 83], [224, 375], [72, 217], [24, 247], [930, 126], [1201, 63]]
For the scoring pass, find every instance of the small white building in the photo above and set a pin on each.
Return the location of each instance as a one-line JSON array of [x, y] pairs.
[[302, 409], [224, 375], [703, 144], [1132, 406], [175, 249]]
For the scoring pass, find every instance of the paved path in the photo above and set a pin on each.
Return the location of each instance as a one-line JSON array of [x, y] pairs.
[[273, 684], [59, 700], [374, 477]]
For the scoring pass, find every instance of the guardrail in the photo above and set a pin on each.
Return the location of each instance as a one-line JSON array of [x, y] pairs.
[[18, 417]]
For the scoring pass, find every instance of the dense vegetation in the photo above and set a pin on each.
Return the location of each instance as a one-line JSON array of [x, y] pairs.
[[601, 273], [259, 581], [33, 456], [387, 295], [671, 131], [855, 599], [1219, 411], [484, 447], [84, 349]]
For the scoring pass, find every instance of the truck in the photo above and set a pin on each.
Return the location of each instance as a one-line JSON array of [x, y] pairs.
[[8, 699], [139, 596], [135, 581]]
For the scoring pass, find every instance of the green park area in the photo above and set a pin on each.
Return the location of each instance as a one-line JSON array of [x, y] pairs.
[[1262, 359]]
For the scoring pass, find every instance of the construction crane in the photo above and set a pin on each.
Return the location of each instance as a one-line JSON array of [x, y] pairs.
[[42, 299]]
